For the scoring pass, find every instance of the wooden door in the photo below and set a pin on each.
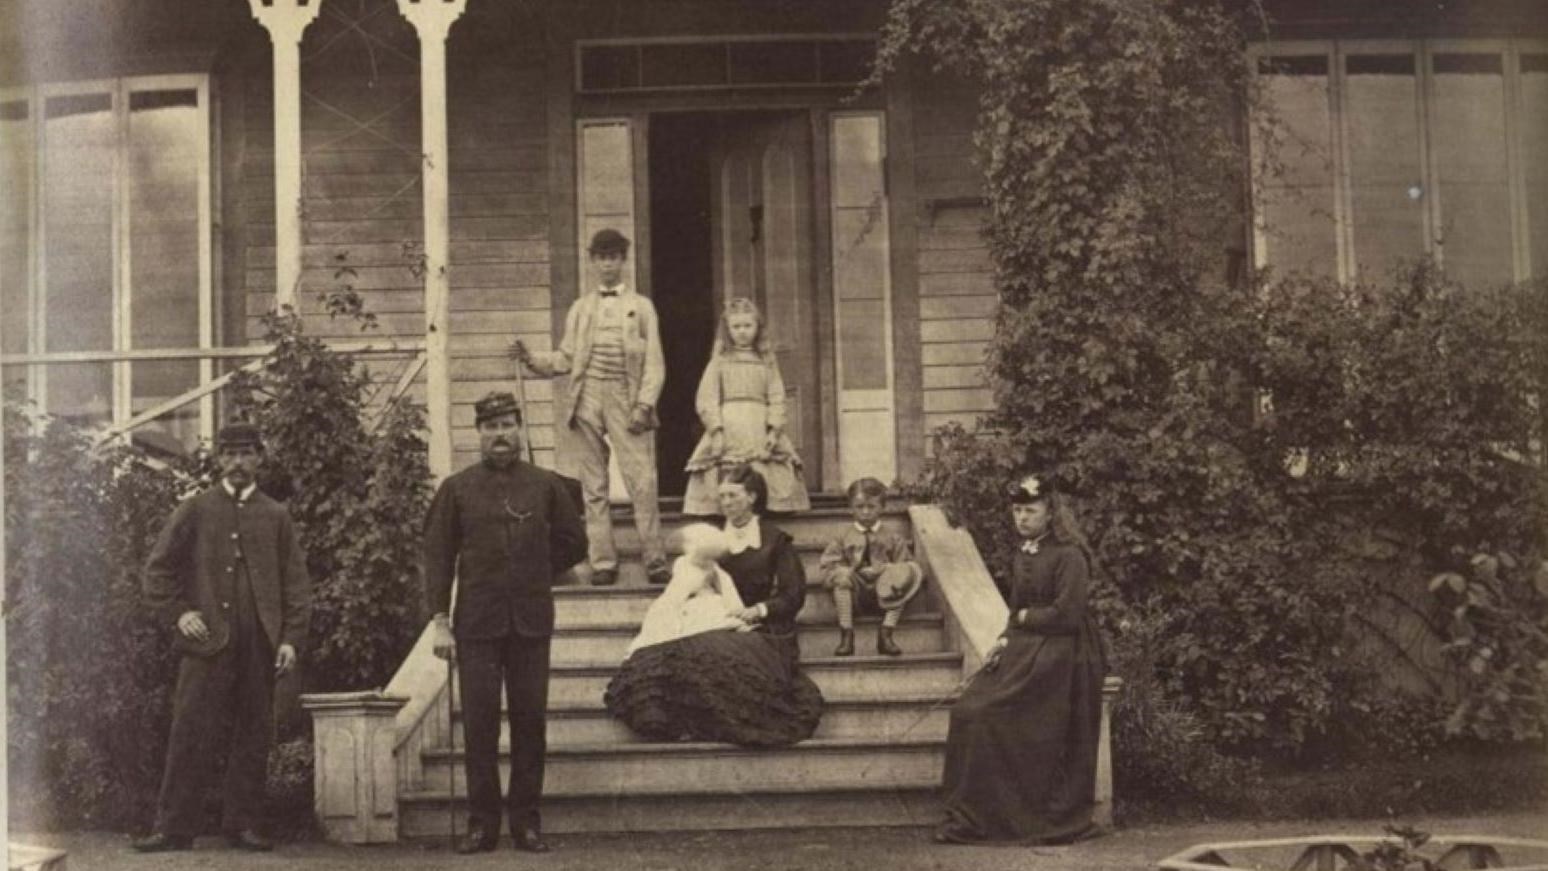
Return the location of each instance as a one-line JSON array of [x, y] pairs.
[[761, 217]]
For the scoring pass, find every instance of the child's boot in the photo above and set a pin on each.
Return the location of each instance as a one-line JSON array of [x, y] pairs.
[[846, 645], [884, 643]]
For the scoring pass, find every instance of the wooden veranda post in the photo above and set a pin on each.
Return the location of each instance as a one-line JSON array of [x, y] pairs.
[[433, 19], [286, 22]]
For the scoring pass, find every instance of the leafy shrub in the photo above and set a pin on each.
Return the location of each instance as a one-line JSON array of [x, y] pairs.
[[358, 498], [1124, 359], [90, 675], [1162, 752], [91, 672], [289, 787], [1499, 638]]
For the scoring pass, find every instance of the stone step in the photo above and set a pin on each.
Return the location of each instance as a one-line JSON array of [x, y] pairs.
[[580, 605], [870, 676], [425, 815], [631, 570], [864, 676], [609, 641], [814, 528], [645, 769], [912, 716]]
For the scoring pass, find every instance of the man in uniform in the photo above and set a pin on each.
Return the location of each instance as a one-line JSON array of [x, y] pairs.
[[611, 349], [229, 574], [504, 528]]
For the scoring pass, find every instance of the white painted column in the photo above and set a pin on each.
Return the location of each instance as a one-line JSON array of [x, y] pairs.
[[433, 20], [286, 21]]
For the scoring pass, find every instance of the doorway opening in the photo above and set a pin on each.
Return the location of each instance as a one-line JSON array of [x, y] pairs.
[[730, 213], [682, 280]]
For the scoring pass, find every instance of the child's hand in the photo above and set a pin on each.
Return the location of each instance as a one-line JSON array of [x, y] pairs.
[[639, 419], [747, 615], [518, 351], [771, 440], [869, 573]]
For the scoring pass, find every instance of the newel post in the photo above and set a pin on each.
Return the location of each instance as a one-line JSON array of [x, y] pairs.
[[1103, 812], [355, 780]]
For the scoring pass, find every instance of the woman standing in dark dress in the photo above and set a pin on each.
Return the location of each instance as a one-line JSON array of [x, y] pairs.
[[1021, 752], [741, 686]]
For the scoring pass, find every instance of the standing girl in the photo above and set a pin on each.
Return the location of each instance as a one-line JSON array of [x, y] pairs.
[[741, 401], [1022, 747]]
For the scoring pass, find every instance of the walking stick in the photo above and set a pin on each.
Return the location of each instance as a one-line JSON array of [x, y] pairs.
[[521, 403], [450, 732]]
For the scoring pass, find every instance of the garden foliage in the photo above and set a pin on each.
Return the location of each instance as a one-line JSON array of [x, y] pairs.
[[1228, 436], [90, 670]]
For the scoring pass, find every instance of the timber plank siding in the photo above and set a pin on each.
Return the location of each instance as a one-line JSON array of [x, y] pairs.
[[957, 299], [362, 198]]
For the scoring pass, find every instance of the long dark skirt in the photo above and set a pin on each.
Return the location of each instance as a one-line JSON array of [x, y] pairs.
[[1022, 748], [738, 687]]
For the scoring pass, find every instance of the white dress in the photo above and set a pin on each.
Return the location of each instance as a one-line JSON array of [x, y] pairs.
[[743, 395], [690, 604]]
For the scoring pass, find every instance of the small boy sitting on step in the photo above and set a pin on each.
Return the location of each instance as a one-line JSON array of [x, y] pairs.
[[870, 565]]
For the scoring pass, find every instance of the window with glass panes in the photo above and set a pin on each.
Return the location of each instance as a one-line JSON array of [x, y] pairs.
[[1385, 152], [105, 250]]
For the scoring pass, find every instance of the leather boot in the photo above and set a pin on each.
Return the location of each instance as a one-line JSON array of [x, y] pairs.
[[846, 645], [884, 644]]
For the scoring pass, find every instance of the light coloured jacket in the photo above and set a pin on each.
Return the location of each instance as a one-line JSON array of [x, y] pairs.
[[644, 367]]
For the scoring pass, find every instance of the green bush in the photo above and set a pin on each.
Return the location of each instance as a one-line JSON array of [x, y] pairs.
[[1498, 636], [358, 498], [1163, 755], [90, 675], [90, 671], [1228, 438]]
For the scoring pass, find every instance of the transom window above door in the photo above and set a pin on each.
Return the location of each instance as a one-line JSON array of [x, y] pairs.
[[725, 63]]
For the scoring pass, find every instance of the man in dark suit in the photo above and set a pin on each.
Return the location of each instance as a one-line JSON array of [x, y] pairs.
[[229, 574], [503, 528]]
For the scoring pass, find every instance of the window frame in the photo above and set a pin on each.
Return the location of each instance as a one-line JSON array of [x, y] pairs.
[[1337, 52], [122, 355]]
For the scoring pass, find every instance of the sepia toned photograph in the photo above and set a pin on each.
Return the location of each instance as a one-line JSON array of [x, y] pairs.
[[774, 434]]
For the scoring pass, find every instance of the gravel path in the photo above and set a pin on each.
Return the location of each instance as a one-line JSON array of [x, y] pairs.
[[855, 849]]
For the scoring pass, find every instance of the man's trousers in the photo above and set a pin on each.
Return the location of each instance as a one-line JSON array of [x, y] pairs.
[[234, 686], [521, 665], [604, 409]]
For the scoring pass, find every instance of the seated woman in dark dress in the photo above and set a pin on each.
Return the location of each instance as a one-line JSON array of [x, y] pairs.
[[740, 687], [1022, 747]]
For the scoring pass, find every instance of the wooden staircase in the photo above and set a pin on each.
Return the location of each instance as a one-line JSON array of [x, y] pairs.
[[875, 760]]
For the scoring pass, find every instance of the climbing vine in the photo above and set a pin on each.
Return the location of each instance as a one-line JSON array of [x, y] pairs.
[[1230, 437]]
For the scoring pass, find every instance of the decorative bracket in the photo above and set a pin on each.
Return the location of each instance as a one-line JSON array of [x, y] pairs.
[[285, 20]]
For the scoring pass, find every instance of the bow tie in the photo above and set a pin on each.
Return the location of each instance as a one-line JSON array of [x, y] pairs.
[[609, 292], [1030, 546]]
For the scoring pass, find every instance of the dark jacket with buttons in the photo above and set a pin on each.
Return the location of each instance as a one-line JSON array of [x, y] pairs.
[[193, 566], [503, 533]]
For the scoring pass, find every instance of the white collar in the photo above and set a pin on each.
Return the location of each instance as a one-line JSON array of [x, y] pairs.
[[1033, 545], [740, 538], [864, 531], [231, 491]]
